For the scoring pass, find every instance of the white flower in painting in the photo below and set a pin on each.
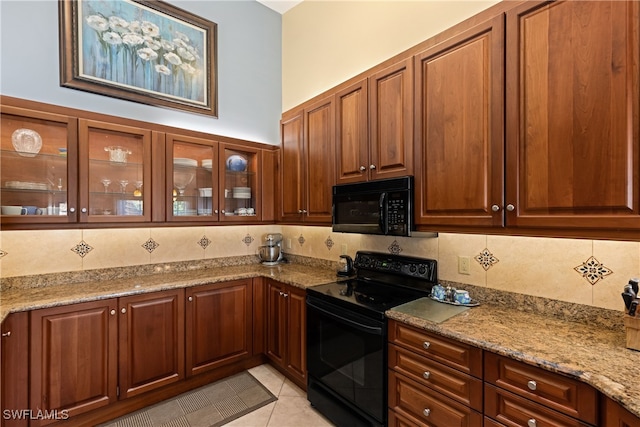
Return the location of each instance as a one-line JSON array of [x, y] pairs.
[[132, 39], [193, 51], [152, 43], [97, 22], [163, 69], [118, 24], [180, 43], [173, 58], [185, 54], [182, 36], [112, 38], [167, 45], [135, 27], [188, 68], [147, 54], [150, 29]]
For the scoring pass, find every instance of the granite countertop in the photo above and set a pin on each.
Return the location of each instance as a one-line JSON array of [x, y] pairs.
[[30, 298], [595, 355]]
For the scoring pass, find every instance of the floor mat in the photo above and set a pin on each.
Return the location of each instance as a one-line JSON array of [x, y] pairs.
[[209, 406]]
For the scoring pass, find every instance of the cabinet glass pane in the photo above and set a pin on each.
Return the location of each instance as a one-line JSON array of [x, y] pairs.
[[116, 173], [240, 183], [33, 166], [193, 179]]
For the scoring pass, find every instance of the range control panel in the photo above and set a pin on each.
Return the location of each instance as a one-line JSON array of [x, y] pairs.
[[368, 263]]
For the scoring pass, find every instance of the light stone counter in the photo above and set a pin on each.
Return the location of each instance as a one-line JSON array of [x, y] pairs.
[[593, 354]]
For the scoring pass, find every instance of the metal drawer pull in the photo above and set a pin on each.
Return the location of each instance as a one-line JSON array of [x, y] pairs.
[[426, 375], [426, 345], [532, 385], [6, 334], [532, 422], [426, 412]]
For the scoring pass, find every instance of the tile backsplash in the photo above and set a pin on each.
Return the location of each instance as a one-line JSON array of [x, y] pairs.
[[590, 272]]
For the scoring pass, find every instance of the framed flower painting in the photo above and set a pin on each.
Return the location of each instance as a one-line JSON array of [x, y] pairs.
[[144, 51]]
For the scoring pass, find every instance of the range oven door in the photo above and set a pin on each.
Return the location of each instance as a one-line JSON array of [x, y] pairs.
[[346, 364]]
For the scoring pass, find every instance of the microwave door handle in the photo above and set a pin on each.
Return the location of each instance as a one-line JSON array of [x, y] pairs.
[[382, 213]]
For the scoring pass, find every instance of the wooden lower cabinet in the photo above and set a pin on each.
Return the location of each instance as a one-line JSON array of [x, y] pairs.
[[73, 358], [151, 341], [615, 415], [218, 325], [14, 369], [286, 330]]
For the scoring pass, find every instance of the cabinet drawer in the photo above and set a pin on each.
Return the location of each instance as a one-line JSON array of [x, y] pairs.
[[561, 393], [457, 355], [512, 410], [448, 381], [424, 406], [396, 420]]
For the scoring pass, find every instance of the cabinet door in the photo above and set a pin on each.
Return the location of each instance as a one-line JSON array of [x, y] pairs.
[[320, 161], [572, 114], [115, 163], [291, 194], [240, 184], [296, 360], [616, 415], [192, 183], [391, 121], [151, 341], [269, 175], [459, 128], [218, 325], [38, 167], [276, 322], [73, 358], [352, 136], [14, 368]]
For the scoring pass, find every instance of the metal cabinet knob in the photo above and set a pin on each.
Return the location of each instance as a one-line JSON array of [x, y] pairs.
[[426, 345], [372, 167], [285, 295], [190, 299], [304, 211], [215, 211], [510, 207], [83, 210], [495, 208], [426, 412], [112, 312], [123, 311], [6, 334], [299, 211], [72, 210], [532, 385], [532, 422], [223, 211], [362, 169], [426, 375]]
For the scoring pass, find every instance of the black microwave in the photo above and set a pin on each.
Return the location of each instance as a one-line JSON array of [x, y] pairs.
[[383, 206]]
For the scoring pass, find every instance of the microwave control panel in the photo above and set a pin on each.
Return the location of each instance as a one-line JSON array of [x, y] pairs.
[[397, 212]]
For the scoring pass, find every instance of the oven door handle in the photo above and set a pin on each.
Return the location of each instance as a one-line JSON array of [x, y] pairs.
[[377, 330]]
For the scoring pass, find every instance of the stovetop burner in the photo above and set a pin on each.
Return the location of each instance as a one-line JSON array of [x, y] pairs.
[[382, 282]]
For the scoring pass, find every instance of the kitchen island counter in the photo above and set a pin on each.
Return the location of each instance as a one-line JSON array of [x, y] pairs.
[[596, 355]]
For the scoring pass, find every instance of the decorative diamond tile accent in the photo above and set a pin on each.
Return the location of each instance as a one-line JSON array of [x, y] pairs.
[[395, 248], [82, 249], [592, 270], [150, 245], [204, 242], [248, 239], [2, 253], [329, 243], [301, 240], [486, 259]]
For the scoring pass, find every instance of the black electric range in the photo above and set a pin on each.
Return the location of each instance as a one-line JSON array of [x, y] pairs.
[[347, 335]]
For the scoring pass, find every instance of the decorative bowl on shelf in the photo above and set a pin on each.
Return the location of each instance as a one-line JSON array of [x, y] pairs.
[[26, 142], [117, 154], [237, 163]]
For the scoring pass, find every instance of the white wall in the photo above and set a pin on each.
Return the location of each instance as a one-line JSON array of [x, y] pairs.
[[249, 68]]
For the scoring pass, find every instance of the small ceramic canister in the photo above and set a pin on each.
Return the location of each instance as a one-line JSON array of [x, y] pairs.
[[462, 297], [438, 292]]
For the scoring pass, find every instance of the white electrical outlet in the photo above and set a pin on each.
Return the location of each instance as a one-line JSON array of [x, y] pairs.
[[343, 249], [464, 264], [288, 243]]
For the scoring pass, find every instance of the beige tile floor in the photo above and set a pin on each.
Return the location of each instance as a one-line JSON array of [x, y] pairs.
[[291, 409]]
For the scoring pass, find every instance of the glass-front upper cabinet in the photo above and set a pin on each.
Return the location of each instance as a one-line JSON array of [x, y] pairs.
[[192, 178], [240, 187], [116, 163], [38, 159]]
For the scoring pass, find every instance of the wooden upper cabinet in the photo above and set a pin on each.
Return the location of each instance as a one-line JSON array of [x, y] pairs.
[[291, 188], [572, 114], [391, 121], [459, 128], [352, 133]]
